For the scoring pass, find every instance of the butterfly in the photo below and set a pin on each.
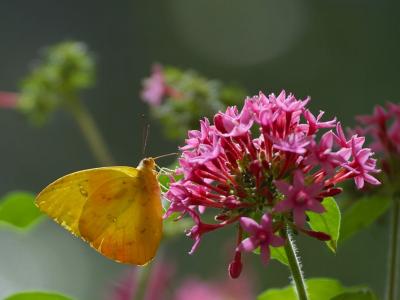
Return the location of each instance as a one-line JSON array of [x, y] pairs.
[[117, 210]]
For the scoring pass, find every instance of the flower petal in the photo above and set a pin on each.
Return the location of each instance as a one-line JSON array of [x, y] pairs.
[[265, 253], [359, 180], [277, 241], [371, 179], [283, 186], [248, 244], [299, 217], [249, 225], [266, 222], [283, 206], [315, 206]]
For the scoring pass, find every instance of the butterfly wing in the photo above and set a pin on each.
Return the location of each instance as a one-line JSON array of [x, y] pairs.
[[111, 208], [123, 220]]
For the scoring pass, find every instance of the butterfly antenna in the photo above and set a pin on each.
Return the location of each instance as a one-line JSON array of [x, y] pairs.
[[145, 138]]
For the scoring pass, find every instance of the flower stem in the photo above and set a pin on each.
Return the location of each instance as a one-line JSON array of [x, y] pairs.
[[393, 261], [294, 265], [91, 132], [144, 277]]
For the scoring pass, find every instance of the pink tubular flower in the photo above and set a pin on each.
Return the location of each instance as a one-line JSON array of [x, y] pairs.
[[264, 167], [383, 126], [196, 289], [299, 198], [154, 87], [362, 165], [294, 142], [321, 154], [8, 100], [127, 288], [314, 124], [233, 124], [261, 235], [162, 285]]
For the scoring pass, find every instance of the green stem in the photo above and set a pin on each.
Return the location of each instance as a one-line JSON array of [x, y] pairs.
[[393, 261], [91, 132], [143, 280], [294, 265]]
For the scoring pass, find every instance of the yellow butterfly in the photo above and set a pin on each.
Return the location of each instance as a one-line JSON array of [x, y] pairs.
[[117, 210]]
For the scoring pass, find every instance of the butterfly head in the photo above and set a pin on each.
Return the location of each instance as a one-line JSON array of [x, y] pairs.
[[147, 164]]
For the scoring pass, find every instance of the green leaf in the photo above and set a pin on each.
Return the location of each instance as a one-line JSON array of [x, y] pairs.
[[327, 222], [18, 209], [279, 254], [323, 288], [287, 293], [362, 214], [37, 296], [318, 289], [356, 295]]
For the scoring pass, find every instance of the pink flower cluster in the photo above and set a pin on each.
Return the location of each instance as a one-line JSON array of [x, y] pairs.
[[8, 100], [162, 285], [384, 128], [156, 89], [263, 167], [159, 281]]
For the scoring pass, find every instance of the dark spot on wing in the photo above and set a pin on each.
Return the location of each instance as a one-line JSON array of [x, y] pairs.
[[111, 218]]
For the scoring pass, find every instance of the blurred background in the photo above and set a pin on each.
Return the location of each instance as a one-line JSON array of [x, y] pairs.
[[344, 54]]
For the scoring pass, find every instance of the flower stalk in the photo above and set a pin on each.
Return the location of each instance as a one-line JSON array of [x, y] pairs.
[[144, 277], [294, 265], [393, 261], [91, 132]]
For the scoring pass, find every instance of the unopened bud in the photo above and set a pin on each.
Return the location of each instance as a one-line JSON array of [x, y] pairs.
[[235, 267]]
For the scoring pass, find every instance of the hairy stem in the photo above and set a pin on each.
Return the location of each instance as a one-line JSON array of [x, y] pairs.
[[91, 133], [294, 265], [393, 257]]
